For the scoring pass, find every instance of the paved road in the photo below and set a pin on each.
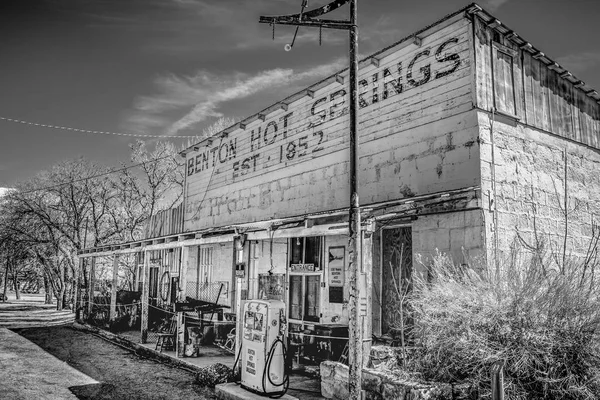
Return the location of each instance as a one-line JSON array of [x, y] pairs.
[[28, 372]]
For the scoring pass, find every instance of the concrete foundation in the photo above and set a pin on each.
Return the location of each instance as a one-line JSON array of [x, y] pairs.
[[233, 391]]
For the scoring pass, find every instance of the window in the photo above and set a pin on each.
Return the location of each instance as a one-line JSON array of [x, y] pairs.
[[305, 297], [305, 278], [306, 251], [205, 264], [153, 283], [238, 256], [503, 76]]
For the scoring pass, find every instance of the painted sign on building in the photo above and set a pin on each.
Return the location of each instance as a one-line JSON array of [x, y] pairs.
[[337, 256], [293, 159]]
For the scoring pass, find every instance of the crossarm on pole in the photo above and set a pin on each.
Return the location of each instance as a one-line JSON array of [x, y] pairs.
[[317, 12], [283, 20]]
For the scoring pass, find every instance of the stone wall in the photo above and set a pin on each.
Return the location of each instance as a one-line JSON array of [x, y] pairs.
[[532, 171], [377, 385]]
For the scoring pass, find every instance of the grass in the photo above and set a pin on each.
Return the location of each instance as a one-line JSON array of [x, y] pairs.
[[539, 319]]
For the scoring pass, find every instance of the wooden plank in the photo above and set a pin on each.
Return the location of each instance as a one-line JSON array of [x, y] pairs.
[[540, 96], [483, 72], [580, 115], [499, 80], [113, 289], [594, 139], [145, 296], [554, 109], [592, 128], [564, 98], [544, 106], [531, 88], [518, 80]]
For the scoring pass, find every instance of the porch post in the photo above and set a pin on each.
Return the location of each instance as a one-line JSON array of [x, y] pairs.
[[92, 282], [239, 325], [367, 269], [145, 296], [113, 289], [179, 346], [78, 290], [183, 261]]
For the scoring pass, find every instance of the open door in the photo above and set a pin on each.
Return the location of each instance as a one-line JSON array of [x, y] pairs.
[[396, 277]]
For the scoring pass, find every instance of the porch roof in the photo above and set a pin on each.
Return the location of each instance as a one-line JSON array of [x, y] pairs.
[[332, 222]]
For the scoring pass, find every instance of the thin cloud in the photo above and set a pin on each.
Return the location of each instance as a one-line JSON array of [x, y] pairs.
[[580, 62], [493, 5], [203, 95]]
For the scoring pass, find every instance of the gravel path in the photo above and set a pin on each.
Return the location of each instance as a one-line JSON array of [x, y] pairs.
[[123, 375]]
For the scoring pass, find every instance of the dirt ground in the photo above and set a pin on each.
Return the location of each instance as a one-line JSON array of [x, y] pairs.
[[123, 374]]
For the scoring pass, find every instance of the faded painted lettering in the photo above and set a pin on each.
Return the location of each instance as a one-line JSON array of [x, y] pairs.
[[271, 143]]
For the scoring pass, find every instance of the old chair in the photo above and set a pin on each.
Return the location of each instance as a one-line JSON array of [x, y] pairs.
[[166, 336]]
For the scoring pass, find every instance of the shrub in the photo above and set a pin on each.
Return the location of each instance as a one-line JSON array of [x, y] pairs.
[[540, 319]]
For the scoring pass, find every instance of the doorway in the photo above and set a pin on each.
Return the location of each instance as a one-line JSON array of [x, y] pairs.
[[396, 277]]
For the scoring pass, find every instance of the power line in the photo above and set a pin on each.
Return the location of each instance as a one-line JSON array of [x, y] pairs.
[[66, 128], [96, 176]]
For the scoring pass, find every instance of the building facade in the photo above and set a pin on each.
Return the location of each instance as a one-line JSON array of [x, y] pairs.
[[470, 139]]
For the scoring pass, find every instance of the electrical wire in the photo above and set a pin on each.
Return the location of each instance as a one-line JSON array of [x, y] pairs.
[[95, 132], [95, 176]]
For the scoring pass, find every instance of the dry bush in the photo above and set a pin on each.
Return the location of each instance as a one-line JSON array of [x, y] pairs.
[[540, 319]]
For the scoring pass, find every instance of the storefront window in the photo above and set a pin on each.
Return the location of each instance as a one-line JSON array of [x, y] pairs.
[[304, 297], [305, 278], [306, 251]]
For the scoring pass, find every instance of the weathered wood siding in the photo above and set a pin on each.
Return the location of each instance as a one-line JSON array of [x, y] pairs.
[[531, 90], [417, 136], [165, 223]]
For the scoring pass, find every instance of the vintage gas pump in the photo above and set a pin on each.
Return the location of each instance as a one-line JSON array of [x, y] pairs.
[[263, 350]]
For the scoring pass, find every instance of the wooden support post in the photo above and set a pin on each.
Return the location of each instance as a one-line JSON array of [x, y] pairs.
[[113, 289], [367, 295], [92, 282], [239, 323], [180, 342], [145, 296], [183, 276], [4, 297], [355, 329], [78, 290], [183, 261]]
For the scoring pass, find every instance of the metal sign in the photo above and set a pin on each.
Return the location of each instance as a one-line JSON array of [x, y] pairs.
[[302, 267]]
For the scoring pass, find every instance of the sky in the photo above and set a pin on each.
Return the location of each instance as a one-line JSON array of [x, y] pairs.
[[172, 67]]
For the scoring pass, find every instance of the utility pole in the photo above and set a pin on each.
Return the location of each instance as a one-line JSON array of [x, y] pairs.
[[309, 18]]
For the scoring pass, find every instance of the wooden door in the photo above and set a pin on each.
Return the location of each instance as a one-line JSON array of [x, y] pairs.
[[396, 258]]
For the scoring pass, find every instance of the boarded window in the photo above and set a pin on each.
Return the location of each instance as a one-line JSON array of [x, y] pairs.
[[504, 87]]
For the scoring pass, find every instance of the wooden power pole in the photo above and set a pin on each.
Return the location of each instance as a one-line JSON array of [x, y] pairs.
[[310, 19]]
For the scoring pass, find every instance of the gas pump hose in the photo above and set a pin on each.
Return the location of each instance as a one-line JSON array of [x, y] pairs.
[[286, 379]]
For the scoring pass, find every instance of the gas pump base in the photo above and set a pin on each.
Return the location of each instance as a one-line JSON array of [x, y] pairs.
[[233, 391]]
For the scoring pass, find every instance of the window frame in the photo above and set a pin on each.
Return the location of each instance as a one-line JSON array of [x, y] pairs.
[[512, 54], [319, 258], [318, 272], [304, 278]]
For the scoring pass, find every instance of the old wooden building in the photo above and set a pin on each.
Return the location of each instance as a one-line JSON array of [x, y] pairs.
[[469, 138]]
